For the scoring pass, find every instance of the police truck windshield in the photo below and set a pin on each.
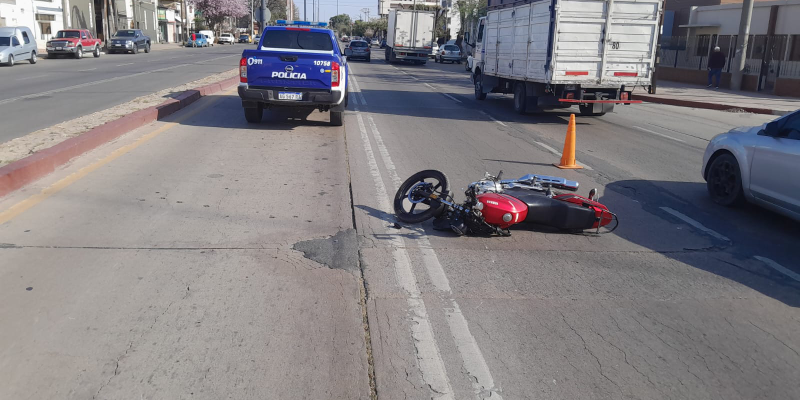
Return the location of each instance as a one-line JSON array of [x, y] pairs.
[[297, 39]]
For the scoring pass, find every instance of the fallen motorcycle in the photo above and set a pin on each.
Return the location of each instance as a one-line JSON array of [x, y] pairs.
[[493, 205]]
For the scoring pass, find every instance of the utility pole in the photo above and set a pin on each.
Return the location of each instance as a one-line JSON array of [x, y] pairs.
[[184, 17], [263, 13], [305, 6], [741, 51]]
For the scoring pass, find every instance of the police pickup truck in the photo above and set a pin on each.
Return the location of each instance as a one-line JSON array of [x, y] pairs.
[[296, 64]]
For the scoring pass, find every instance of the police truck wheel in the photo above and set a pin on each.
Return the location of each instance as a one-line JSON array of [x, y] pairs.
[[253, 115], [337, 118]]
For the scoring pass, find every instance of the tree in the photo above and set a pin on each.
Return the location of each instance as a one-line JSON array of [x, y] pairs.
[[215, 11], [340, 22], [469, 11]]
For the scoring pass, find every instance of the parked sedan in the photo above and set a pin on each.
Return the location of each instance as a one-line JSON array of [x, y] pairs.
[[375, 42], [757, 164], [129, 40], [448, 52], [358, 49], [245, 38], [226, 38], [200, 40]]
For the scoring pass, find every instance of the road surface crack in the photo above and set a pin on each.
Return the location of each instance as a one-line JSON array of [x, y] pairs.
[[586, 347]]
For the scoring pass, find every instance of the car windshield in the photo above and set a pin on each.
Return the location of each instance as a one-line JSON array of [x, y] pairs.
[[68, 34], [5, 41], [358, 44], [451, 47], [303, 40], [242, 36], [125, 33]]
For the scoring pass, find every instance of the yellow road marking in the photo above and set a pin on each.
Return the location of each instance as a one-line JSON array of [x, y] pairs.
[[31, 201]]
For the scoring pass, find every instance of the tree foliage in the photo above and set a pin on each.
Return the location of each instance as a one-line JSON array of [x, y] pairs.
[[469, 11], [215, 11], [340, 23]]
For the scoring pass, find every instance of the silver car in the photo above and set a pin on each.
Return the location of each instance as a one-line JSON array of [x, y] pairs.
[[448, 52], [17, 43], [357, 49], [758, 164]]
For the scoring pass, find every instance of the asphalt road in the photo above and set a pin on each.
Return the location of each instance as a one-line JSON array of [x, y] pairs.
[[202, 257], [51, 91]]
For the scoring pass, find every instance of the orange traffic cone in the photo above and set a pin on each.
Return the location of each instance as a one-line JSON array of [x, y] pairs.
[[568, 155]]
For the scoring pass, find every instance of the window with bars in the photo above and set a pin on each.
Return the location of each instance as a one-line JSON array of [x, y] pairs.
[[794, 52], [703, 45]]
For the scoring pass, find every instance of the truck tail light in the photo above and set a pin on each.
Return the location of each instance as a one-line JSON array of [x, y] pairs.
[[243, 70], [570, 95], [334, 74], [623, 96]]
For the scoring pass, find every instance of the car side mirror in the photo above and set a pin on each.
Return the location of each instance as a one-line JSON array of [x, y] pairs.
[[771, 130]]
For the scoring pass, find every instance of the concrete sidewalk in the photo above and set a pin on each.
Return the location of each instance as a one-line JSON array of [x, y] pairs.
[[687, 95]]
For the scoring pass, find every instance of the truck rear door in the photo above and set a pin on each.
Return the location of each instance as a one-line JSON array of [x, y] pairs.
[[423, 34], [404, 29], [292, 58], [605, 42]]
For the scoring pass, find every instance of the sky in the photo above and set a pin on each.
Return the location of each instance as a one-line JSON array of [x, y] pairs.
[[327, 8]]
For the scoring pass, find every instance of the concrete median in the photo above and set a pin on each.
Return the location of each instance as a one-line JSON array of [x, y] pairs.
[[22, 172]]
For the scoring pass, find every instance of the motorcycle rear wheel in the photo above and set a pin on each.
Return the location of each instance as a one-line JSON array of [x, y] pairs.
[[407, 211]]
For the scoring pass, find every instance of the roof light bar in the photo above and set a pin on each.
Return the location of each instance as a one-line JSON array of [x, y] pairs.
[[300, 23]]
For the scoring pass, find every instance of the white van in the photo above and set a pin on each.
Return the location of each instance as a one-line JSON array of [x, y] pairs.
[[209, 36], [17, 43]]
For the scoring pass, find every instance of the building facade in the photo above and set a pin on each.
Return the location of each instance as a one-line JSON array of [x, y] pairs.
[[772, 61], [44, 18]]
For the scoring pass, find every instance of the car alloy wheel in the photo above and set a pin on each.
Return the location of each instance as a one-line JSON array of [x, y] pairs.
[[33, 58], [724, 181], [79, 53], [10, 61]]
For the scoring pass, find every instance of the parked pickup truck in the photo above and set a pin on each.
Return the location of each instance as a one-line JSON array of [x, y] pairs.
[[297, 64], [74, 42]]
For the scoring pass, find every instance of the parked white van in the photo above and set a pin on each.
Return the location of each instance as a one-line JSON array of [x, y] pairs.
[[210, 36], [17, 43]]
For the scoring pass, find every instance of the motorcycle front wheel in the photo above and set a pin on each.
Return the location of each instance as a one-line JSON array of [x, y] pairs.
[[412, 202]]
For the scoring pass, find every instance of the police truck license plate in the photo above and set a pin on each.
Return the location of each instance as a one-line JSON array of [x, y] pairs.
[[290, 96]]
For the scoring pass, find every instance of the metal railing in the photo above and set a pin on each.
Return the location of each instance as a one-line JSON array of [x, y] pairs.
[[775, 52]]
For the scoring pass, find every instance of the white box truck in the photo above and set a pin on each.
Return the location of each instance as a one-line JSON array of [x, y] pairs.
[[559, 53], [409, 36]]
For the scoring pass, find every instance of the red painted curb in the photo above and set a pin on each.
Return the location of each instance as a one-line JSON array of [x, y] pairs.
[[22, 172], [700, 104]]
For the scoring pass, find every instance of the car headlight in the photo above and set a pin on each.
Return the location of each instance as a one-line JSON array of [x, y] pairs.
[[128, 42]]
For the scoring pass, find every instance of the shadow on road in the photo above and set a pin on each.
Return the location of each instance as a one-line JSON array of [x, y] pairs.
[[752, 231]]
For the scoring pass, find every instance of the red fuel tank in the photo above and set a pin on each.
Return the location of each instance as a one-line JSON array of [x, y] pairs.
[[497, 205]]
